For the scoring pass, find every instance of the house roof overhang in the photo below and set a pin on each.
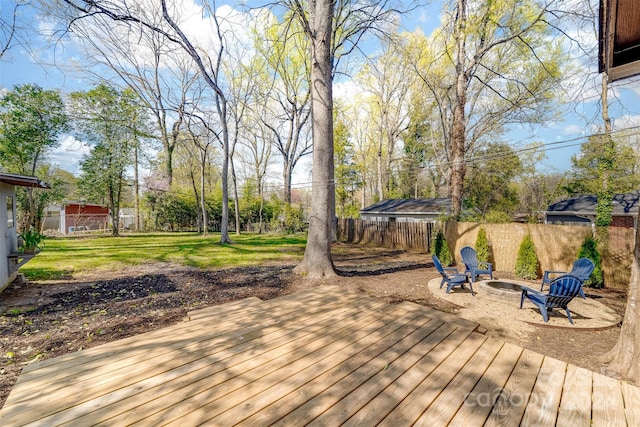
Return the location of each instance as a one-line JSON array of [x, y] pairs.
[[619, 38], [23, 181]]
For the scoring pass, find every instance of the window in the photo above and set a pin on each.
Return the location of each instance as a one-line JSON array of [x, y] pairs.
[[10, 215]]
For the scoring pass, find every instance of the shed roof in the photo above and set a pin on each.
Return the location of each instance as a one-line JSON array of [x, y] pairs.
[[22, 180], [409, 206], [623, 204]]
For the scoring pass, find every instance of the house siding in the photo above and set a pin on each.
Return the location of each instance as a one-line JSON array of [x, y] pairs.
[[10, 235]]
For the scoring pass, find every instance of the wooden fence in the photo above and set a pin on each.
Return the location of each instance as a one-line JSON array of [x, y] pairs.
[[556, 245], [410, 236]]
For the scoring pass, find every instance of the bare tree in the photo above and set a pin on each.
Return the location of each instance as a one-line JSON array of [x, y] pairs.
[[165, 19], [285, 87], [257, 156], [317, 22], [334, 29], [10, 28], [386, 83], [147, 63], [480, 45]]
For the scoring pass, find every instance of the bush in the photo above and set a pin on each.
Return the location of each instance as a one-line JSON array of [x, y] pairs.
[[441, 249], [482, 246], [31, 240], [527, 261], [589, 249]]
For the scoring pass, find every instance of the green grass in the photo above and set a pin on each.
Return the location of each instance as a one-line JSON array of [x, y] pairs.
[[64, 257]]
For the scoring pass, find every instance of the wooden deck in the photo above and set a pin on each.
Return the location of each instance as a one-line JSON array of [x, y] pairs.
[[321, 357]]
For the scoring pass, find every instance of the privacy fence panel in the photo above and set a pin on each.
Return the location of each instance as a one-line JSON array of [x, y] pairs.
[[410, 236], [557, 246]]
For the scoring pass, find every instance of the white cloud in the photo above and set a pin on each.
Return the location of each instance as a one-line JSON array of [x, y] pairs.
[[69, 154], [573, 130], [626, 122]]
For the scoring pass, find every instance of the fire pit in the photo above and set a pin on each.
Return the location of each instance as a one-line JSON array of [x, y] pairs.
[[502, 289]]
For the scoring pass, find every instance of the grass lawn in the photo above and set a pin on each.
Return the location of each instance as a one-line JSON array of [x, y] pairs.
[[62, 257]]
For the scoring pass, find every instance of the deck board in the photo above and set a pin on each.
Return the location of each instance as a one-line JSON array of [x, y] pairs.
[[318, 357], [545, 398], [447, 404], [575, 403], [607, 402], [478, 403], [204, 364], [509, 409], [134, 358]]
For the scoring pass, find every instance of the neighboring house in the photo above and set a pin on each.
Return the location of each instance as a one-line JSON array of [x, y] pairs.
[[72, 217], [10, 258], [582, 210], [407, 210]]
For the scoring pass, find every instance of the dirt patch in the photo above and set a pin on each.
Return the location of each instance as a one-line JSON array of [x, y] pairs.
[[43, 320]]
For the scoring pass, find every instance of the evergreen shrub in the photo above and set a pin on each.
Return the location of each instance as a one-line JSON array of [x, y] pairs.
[[527, 261], [441, 249], [482, 246], [589, 249]]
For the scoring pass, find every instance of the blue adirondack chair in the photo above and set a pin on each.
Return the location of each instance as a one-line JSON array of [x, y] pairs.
[[561, 291], [473, 267], [582, 269], [451, 276]]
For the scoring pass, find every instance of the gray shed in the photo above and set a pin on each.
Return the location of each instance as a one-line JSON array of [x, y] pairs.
[[10, 258]]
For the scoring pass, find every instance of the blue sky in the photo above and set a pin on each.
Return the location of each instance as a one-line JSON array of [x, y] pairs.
[[562, 137]]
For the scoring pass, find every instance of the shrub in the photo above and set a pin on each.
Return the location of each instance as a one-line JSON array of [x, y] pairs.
[[482, 246], [589, 249], [441, 249], [527, 261], [31, 239]]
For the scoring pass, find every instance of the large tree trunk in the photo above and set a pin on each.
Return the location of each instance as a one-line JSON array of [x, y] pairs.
[[458, 124], [317, 262], [624, 358]]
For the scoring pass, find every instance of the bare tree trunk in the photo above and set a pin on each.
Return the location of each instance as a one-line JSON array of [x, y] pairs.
[[379, 165], [136, 186], [236, 203], [458, 125], [205, 221], [198, 201], [286, 176], [317, 262]]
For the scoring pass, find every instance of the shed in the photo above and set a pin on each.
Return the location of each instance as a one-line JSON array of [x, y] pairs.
[[74, 216], [10, 257], [407, 210], [582, 210]]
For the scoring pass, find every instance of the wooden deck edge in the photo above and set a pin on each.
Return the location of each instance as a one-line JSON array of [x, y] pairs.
[[442, 316], [217, 309], [243, 312]]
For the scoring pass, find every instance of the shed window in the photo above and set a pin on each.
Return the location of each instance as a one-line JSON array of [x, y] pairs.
[[10, 214]]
